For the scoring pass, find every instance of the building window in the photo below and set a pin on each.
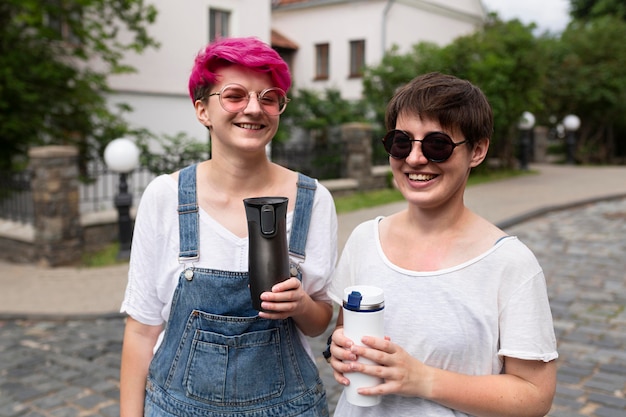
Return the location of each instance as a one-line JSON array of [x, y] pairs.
[[218, 24], [357, 58], [321, 61]]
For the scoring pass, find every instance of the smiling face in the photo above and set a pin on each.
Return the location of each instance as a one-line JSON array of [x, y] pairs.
[[428, 184], [249, 130]]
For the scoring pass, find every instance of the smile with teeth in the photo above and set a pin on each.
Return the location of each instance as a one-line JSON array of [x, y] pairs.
[[421, 177], [250, 126]]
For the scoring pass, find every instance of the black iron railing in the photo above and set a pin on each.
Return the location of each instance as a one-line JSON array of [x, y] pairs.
[[16, 197]]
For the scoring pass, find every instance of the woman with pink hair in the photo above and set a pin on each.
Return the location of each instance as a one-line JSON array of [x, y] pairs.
[[194, 345]]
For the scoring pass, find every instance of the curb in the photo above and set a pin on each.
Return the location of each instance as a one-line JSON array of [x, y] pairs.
[[559, 207], [60, 316]]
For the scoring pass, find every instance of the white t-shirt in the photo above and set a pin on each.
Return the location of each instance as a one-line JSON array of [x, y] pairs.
[[154, 267], [463, 319]]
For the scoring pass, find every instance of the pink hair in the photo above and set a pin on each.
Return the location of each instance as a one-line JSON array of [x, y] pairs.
[[250, 53]]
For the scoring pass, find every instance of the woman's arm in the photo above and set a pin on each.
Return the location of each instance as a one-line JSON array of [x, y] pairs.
[[525, 389], [139, 341]]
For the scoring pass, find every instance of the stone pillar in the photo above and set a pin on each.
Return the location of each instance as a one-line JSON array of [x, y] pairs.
[[58, 233], [357, 142]]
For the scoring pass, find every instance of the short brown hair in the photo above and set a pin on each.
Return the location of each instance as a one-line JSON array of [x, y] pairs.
[[454, 103]]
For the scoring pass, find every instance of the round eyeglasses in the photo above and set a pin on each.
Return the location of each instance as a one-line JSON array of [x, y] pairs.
[[235, 97], [436, 146]]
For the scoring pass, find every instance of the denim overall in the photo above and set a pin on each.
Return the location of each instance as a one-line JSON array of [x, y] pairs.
[[218, 357]]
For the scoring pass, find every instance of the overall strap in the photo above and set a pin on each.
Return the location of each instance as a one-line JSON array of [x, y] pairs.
[[188, 215], [302, 215]]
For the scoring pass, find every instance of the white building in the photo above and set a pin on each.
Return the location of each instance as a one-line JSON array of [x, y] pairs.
[[326, 43], [336, 38]]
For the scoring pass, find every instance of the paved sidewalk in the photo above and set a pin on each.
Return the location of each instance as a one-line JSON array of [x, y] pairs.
[[70, 292]]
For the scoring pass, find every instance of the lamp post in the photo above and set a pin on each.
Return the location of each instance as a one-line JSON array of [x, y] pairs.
[[122, 156], [571, 122], [525, 124]]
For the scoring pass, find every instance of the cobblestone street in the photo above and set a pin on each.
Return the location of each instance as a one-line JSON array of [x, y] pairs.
[[70, 368], [583, 254]]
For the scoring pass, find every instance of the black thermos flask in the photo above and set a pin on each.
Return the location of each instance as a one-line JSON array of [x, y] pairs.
[[268, 257]]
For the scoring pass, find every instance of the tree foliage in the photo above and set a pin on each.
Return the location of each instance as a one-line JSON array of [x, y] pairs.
[[586, 10], [310, 109], [318, 113], [54, 60], [588, 80], [174, 153], [381, 81], [502, 60]]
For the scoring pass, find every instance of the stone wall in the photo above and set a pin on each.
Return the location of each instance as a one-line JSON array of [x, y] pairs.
[[58, 234]]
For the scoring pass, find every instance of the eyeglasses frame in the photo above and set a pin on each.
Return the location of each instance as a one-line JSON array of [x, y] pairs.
[[258, 97]]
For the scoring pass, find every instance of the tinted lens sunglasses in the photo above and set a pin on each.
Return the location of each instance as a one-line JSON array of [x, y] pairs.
[[436, 146]]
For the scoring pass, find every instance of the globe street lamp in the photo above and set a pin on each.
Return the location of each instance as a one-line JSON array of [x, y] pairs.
[[122, 156], [571, 122], [525, 124]]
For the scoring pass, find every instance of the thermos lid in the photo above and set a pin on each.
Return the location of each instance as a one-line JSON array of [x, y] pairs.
[[363, 298]]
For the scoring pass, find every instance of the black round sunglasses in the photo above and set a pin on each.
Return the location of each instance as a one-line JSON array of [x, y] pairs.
[[436, 146]]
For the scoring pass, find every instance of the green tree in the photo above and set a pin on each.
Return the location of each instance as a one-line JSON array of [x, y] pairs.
[[590, 9], [395, 69], [312, 110], [502, 59], [176, 152], [588, 80], [55, 56], [318, 115]]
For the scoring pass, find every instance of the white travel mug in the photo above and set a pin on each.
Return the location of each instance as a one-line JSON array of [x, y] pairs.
[[363, 308]]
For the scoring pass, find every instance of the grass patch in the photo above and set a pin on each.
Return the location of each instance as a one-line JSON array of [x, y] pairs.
[[104, 257], [375, 198], [360, 200]]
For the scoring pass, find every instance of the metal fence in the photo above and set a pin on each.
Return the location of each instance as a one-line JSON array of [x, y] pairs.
[[321, 162], [16, 197], [98, 192]]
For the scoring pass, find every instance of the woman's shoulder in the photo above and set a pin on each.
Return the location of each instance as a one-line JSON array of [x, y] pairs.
[[322, 195], [163, 182], [160, 190], [365, 231], [513, 252]]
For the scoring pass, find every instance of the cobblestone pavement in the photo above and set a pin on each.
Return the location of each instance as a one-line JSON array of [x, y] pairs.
[[70, 368]]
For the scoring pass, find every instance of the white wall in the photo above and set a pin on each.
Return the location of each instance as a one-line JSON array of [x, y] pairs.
[[162, 114], [407, 23]]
